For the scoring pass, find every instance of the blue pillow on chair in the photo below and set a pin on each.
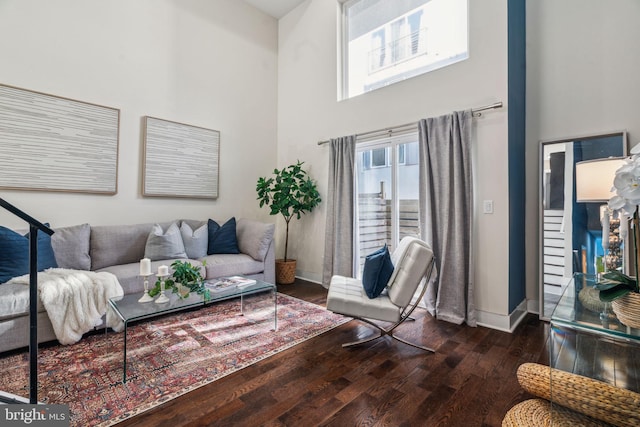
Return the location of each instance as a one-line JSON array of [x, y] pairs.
[[222, 239], [377, 272], [14, 254]]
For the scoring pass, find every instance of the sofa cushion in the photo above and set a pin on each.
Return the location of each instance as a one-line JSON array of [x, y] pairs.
[[164, 244], [346, 295], [230, 265], [222, 239], [119, 244], [14, 253], [71, 247], [254, 237], [14, 301], [196, 241]]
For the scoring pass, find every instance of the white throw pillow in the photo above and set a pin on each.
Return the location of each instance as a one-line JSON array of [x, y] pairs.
[[195, 241], [164, 245]]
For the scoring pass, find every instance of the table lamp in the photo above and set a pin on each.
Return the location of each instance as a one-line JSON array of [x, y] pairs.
[[594, 183]]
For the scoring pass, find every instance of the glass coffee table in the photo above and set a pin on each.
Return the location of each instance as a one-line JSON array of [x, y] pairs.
[[128, 309]]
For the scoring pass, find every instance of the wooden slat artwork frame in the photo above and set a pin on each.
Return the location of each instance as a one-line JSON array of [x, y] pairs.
[[180, 160], [51, 143]]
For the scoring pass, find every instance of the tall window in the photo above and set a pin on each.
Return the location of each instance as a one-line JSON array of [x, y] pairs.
[[388, 41], [387, 184]]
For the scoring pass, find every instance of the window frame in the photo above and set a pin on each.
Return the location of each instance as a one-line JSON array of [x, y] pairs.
[[343, 56], [391, 144]]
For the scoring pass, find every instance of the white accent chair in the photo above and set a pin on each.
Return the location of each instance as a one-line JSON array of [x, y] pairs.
[[413, 262]]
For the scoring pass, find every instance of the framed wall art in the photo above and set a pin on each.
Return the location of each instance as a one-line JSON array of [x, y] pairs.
[[180, 160], [52, 143]]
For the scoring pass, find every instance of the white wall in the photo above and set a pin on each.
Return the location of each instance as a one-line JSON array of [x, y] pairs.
[[208, 63], [308, 112], [582, 78]]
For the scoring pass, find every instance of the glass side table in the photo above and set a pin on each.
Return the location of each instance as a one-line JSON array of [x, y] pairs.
[[586, 338]]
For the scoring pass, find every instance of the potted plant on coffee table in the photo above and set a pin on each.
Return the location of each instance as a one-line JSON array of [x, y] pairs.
[[291, 193], [186, 278]]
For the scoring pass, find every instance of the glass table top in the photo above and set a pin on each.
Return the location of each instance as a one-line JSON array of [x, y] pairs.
[[579, 307], [128, 307]]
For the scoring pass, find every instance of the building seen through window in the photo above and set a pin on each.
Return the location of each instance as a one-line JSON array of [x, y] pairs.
[[385, 41]]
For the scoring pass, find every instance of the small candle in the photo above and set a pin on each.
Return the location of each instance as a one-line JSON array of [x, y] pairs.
[[163, 270], [145, 267]]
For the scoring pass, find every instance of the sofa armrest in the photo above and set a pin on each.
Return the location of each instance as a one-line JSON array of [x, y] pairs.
[[594, 398]]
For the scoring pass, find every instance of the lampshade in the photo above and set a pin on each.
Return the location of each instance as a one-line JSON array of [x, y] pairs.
[[594, 179]]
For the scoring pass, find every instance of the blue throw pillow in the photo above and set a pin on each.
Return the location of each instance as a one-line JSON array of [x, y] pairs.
[[14, 254], [222, 239], [377, 272]]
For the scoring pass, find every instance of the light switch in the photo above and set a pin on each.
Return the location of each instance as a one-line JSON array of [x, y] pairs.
[[487, 206]]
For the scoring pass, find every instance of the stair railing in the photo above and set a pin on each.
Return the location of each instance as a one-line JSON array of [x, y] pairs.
[[34, 227]]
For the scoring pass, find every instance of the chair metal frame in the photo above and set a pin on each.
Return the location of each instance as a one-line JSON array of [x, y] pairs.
[[405, 315]]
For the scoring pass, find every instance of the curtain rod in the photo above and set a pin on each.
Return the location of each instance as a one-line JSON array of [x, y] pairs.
[[475, 111]]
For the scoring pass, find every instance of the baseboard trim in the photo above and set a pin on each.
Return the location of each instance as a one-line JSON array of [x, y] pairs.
[[500, 322], [309, 277], [533, 306]]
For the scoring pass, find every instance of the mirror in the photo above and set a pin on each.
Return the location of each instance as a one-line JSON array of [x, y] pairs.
[[570, 230]]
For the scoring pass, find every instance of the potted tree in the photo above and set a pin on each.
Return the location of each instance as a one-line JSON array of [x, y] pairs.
[[291, 193]]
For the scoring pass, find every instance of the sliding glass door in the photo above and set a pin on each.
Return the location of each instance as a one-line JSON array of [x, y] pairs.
[[387, 193]]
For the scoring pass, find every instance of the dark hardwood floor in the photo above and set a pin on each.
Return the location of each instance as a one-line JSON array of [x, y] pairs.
[[469, 381]]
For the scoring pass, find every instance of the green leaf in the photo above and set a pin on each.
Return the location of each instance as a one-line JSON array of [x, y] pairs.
[[604, 285], [614, 293], [290, 192], [619, 277]]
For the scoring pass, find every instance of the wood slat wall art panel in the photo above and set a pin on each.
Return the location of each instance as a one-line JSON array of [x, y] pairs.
[[52, 143], [180, 160]]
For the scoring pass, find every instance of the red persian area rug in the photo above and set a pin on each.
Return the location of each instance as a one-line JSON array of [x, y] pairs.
[[166, 357]]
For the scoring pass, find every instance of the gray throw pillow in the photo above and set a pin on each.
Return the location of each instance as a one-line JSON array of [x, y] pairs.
[[71, 247], [195, 241], [254, 237], [164, 245]]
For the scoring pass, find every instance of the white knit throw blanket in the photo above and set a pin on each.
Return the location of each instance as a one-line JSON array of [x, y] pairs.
[[76, 300]]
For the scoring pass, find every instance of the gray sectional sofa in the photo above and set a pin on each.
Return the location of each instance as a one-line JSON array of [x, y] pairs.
[[118, 249]]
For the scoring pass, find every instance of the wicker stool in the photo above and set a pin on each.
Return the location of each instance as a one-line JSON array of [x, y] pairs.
[[537, 413], [584, 397]]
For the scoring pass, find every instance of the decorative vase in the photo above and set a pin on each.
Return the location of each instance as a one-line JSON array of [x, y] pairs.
[[285, 271], [627, 309]]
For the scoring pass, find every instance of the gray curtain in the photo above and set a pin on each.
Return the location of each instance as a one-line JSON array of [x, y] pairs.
[[446, 213], [339, 237]]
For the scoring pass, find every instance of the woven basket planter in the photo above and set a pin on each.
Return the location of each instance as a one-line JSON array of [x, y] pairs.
[[285, 271], [590, 299], [590, 397], [627, 309]]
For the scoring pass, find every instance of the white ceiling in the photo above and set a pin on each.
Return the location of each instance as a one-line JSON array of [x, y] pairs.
[[275, 8]]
